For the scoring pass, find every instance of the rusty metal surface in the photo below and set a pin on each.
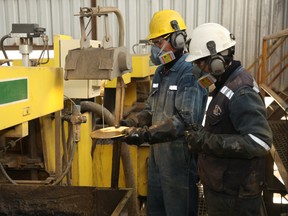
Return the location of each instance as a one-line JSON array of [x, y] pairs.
[[279, 150], [97, 63], [61, 200]]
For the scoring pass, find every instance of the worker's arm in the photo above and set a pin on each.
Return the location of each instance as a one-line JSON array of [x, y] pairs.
[[189, 107], [248, 115]]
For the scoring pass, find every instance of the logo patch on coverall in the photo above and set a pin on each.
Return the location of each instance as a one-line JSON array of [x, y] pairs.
[[217, 110]]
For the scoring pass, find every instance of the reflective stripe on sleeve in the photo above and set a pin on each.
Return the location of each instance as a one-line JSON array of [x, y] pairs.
[[260, 142], [173, 87], [227, 92], [155, 85], [255, 87]]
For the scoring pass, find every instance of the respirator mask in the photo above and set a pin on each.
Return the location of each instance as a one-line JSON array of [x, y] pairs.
[[159, 56], [206, 79]]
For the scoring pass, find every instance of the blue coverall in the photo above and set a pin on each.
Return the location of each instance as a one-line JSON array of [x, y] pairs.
[[172, 177]]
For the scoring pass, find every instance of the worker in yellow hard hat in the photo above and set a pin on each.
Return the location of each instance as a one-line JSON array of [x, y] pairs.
[[167, 28], [176, 100]]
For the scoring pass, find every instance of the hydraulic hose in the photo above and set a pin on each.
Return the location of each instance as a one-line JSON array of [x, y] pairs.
[[2, 46], [88, 106], [6, 175], [58, 180]]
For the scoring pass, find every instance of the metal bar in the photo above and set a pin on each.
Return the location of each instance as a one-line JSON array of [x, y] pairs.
[[280, 165], [58, 158], [94, 22], [115, 163], [122, 204], [277, 98], [104, 10], [277, 65], [277, 35], [278, 74], [100, 11], [119, 104], [264, 58], [279, 41]]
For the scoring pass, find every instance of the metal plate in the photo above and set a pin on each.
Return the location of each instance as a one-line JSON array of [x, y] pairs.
[[108, 133]]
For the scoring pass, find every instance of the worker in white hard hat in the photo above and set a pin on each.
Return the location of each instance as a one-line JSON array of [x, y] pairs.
[[236, 137], [175, 101]]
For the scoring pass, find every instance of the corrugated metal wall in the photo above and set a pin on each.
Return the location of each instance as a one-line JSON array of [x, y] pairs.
[[249, 20]]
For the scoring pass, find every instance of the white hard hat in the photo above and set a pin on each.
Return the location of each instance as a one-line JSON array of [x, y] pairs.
[[204, 33]]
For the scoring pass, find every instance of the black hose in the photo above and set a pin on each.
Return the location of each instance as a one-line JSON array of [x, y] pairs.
[[6, 175], [87, 106], [58, 180], [2, 47]]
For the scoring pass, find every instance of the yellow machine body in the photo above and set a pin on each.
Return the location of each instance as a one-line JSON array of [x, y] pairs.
[[45, 95], [94, 168], [141, 66], [28, 93]]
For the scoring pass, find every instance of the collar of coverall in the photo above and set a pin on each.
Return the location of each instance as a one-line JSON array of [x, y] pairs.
[[223, 78]]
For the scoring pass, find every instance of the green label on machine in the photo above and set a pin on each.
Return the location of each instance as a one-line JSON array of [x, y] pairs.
[[13, 90]]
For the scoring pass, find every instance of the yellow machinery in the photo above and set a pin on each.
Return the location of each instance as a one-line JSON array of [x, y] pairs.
[[46, 123]]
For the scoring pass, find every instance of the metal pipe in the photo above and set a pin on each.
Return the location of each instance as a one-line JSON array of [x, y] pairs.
[[93, 22], [277, 35], [3, 48], [25, 48], [263, 66], [105, 10]]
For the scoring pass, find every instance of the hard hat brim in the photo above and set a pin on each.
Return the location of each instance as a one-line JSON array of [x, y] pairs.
[[191, 58]]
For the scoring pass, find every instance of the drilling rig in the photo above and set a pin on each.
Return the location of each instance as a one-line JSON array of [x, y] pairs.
[[52, 160]]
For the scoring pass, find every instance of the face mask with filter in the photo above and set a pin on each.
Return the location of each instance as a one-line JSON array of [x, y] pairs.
[[206, 79], [159, 56]]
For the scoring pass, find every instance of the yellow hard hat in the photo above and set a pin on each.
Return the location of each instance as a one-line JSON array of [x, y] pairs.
[[160, 23]]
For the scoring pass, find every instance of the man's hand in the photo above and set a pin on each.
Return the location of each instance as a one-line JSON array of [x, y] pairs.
[[135, 136], [130, 122], [194, 135]]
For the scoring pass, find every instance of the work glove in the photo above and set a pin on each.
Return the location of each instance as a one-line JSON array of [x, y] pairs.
[[222, 145], [135, 136], [194, 135], [162, 132], [129, 122], [140, 120]]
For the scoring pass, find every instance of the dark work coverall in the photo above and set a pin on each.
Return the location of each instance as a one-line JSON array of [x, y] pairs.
[[234, 146], [177, 96]]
